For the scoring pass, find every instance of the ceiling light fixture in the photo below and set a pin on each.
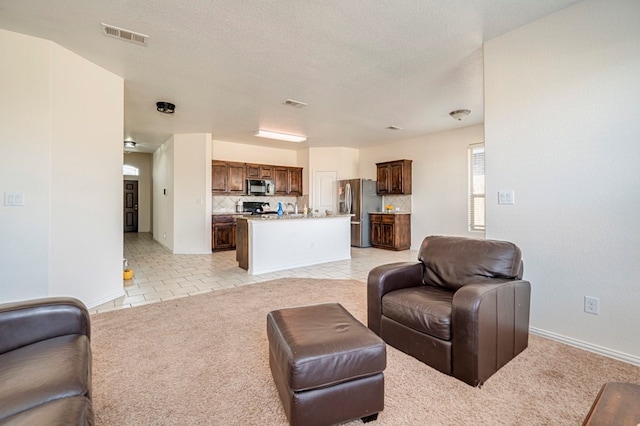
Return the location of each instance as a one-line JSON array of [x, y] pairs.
[[165, 107], [459, 114], [129, 144], [280, 136]]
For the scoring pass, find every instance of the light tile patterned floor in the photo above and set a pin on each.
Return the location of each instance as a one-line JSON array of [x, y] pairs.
[[160, 275]]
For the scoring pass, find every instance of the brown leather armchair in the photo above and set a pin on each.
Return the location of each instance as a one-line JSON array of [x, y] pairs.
[[462, 309], [45, 363]]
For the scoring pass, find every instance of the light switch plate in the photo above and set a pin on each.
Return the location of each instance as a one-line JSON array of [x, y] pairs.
[[14, 198], [506, 197]]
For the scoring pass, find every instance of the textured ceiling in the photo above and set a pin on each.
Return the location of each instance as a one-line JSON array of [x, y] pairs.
[[228, 65]]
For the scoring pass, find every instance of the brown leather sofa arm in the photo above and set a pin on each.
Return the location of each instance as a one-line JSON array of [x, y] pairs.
[[385, 278], [30, 321], [490, 326]]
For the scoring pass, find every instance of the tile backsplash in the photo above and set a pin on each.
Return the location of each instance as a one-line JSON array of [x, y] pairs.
[[404, 202], [227, 203]]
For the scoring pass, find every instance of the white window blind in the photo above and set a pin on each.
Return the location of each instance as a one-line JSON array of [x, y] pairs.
[[476, 188]]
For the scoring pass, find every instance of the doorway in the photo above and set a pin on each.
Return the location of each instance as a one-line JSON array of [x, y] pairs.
[[324, 191], [130, 206]]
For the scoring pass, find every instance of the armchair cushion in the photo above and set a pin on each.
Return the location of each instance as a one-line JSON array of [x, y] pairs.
[[45, 363], [452, 262], [425, 309], [44, 371]]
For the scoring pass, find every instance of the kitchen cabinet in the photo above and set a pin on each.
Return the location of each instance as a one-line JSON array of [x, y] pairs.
[[394, 177], [223, 232], [260, 171], [391, 231], [228, 178], [288, 180]]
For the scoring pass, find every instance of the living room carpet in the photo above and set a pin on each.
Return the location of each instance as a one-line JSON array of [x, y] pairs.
[[203, 360]]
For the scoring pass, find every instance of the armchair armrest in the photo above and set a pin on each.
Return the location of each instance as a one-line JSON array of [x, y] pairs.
[[490, 326], [385, 278], [30, 321]]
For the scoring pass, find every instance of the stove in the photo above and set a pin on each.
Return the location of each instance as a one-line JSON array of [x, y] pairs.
[[257, 207]]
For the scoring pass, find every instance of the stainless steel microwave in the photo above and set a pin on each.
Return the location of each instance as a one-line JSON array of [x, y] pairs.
[[260, 187]]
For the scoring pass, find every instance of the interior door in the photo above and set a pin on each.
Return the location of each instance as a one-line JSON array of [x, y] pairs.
[[130, 206], [324, 191]]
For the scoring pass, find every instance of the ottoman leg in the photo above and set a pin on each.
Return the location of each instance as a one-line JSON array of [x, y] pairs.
[[370, 418]]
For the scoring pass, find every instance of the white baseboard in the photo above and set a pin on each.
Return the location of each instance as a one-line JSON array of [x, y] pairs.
[[620, 356], [94, 303]]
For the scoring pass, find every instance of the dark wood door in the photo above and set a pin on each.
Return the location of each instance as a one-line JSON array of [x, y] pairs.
[[295, 181], [396, 182], [382, 183], [281, 180], [237, 178], [130, 206], [219, 175]]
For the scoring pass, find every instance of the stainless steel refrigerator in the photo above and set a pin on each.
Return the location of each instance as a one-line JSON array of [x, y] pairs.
[[358, 197]]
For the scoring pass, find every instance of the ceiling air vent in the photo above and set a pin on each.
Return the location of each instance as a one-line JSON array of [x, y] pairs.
[[122, 34], [295, 104], [393, 127]]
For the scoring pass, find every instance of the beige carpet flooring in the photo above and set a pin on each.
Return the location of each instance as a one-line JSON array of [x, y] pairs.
[[203, 360]]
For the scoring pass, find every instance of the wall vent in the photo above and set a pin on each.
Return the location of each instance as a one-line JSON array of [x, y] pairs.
[[295, 104], [122, 34]]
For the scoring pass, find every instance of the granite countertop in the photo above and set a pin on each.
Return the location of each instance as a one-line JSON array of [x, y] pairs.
[[391, 212], [230, 214], [292, 216]]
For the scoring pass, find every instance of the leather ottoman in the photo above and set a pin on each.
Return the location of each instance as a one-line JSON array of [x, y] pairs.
[[327, 366]]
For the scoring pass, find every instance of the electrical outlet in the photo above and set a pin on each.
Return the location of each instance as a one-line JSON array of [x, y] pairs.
[[592, 305]]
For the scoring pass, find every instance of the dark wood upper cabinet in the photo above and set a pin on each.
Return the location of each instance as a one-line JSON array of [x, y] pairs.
[[295, 181], [259, 171], [237, 178], [288, 180], [281, 181], [231, 177], [394, 177], [228, 178]]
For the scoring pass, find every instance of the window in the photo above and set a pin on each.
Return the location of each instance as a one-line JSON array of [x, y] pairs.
[[476, 187], [130, 170]]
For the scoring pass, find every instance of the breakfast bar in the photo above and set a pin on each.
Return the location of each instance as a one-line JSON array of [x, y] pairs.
[[271, 243]]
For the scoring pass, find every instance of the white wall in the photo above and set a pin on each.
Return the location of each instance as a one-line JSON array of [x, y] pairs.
[[163, 196], [439, 179], [192, 193], [243, 153], [143, 162], [562, 101], [25, 165], [182, 194], [61, 144]]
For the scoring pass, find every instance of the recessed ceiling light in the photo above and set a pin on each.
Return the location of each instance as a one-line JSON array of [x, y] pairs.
[[280, 136], [129, 144], [165, 107]]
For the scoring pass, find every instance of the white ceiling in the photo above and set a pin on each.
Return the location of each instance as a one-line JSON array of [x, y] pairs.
[[228, 65]]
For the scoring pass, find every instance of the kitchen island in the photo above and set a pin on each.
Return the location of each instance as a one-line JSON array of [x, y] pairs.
[[271, 243]]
